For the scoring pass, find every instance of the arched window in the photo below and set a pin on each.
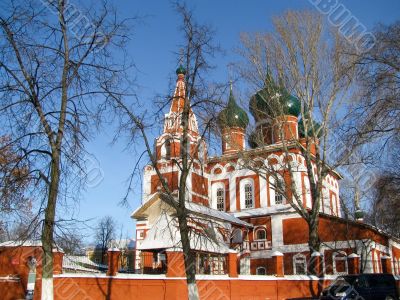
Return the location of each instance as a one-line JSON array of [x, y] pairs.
[[246, 187], [339, 260], [261, 234], [278, 198], [248, 195], [277, 187], [218, 196], [167, 149], [299, 264], [201, 151], [220, 199], [261, 271]]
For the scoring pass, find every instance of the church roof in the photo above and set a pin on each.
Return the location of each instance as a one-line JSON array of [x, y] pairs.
[[165, 234], [193, 208], [233, 115], [221, 215]]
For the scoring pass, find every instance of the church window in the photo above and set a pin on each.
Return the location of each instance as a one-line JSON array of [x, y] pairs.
[[261, 271], [170, 122], [261, 234], [299, 264], [201, 152], [278, 198], [248, 195], [220, 199], [168, 149], [340, 263], [277, 188]]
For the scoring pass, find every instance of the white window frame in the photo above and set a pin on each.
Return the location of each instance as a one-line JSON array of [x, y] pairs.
[[280, 196], [334, 205], [307, 189], [214, 188], [261, 268], [243, 184], [201, 151], [273, 193], [256, 234], [220, 188], [336, 257], [304, 258]]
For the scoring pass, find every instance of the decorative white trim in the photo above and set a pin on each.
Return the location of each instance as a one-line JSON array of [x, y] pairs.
[[242, 185], [303, 257], [214, 189], [256, 230]]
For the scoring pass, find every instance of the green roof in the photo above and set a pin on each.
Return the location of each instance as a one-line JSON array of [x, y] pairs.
[[233, 115], [180, 70], [273, 100]]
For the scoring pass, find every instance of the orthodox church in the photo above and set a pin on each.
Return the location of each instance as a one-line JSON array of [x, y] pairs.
[[235, 209]]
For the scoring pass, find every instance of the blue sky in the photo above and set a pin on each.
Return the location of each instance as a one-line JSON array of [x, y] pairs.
[[152, 48]]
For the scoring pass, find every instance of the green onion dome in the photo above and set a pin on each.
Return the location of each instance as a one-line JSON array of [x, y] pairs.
[[312, 127], [272, 101], [233, 115], [359, 214], [180, 70]]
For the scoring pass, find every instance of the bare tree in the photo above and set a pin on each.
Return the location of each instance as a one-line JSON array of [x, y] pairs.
[[14, 182], [375, 114], [376, 111], [301, 57], [70, 241], [105, 233], [197, 48], [55, 60]]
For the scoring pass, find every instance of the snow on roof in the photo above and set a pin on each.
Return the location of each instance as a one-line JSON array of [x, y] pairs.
[[27, 243], [210, 212], [253, 212], [19, 243], [79, 261], [165, 234], [192, 207]]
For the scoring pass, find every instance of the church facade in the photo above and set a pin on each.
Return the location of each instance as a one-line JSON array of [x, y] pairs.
[[235, 207]]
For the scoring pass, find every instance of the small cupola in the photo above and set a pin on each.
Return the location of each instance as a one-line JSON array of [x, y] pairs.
[[233, 121], [275, 111]]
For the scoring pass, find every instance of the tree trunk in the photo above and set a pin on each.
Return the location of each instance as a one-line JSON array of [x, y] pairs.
[[189, 257], [313, 242], [48, 229]]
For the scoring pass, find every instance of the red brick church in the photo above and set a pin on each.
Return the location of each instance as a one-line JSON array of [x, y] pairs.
[[249, 216]]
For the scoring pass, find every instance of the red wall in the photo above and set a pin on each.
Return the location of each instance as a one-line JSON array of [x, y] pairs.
[[67, 288], [295, 231]]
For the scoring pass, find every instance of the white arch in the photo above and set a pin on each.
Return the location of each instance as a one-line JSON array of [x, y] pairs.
[[229, 165], [307, 189], [255, 233], [298, 259], [242, 185], [218, 166], [214, 188], [277, 157], [272, 189], [340, 256]]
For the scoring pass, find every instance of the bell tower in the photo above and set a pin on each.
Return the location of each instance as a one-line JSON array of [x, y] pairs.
[[168, 150]]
